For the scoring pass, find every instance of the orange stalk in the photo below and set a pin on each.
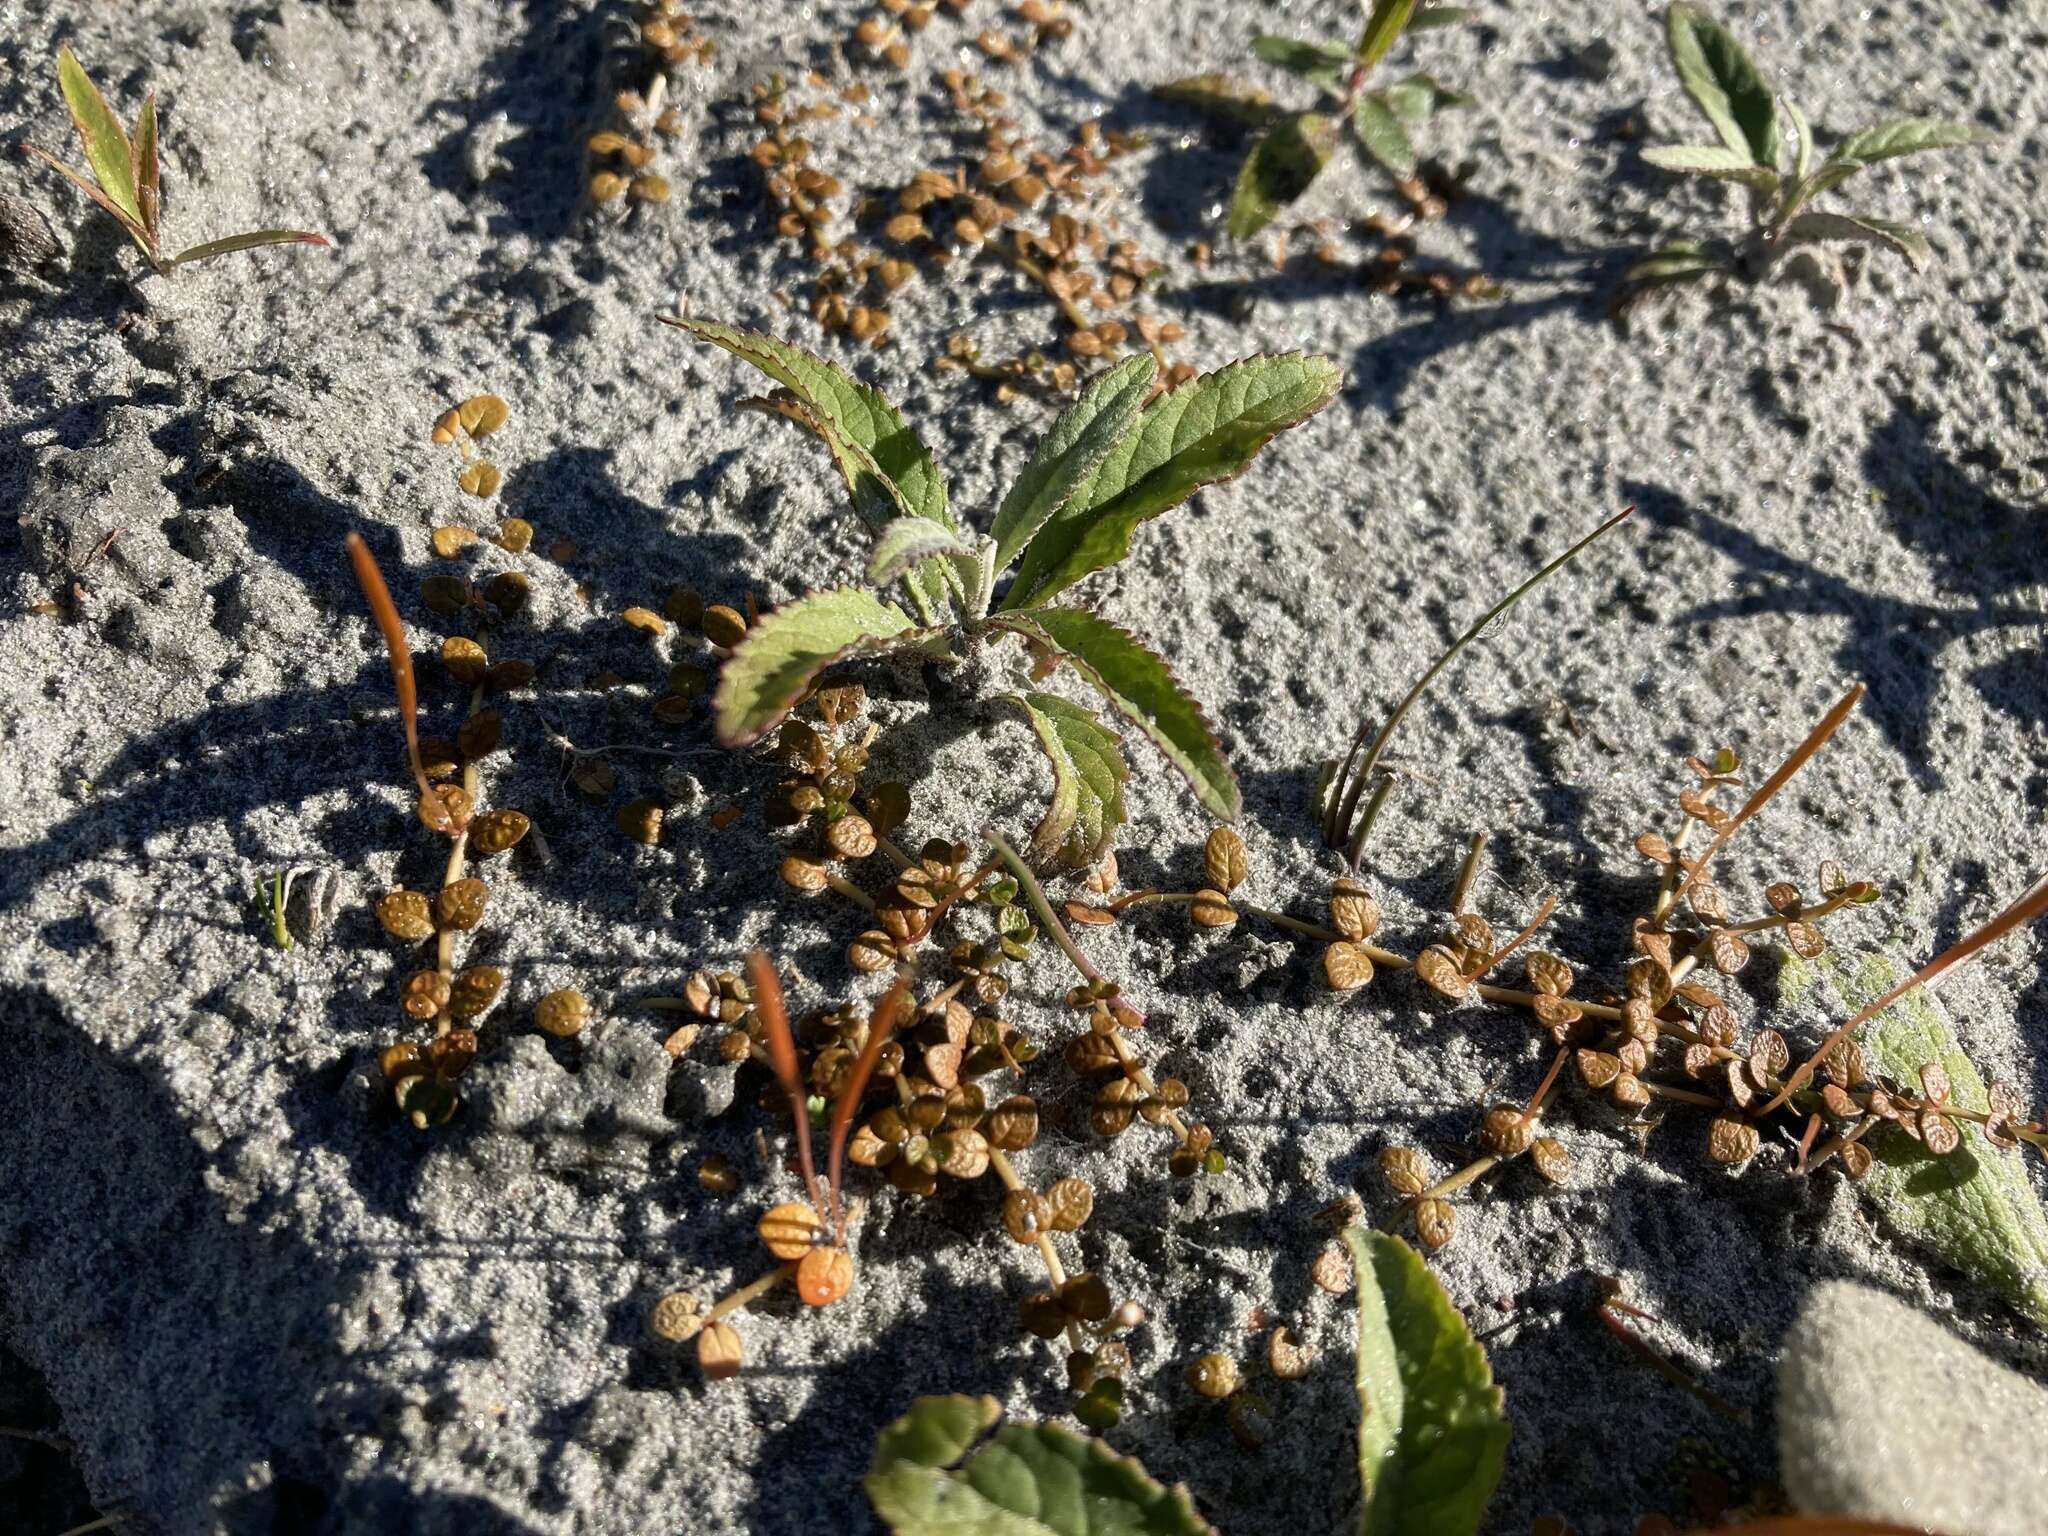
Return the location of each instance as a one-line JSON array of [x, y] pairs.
[[782, 1056], [385, 612], [880, 1026], [1815, 740]]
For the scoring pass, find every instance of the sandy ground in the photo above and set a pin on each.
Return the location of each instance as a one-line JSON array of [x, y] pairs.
[[256, 1301]]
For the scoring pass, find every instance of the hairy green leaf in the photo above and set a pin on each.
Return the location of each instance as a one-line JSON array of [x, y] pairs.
[[1903, 238], [769, 671], [1831, 175], [1220, 96], [1206, 431], [908, 541], [1975, 1208], [1729, 89], [1420, 97], [107, 149], [248, 242], [1024, 1480], [1712, 160], [1381, 133], [1082, 437], [1432, 1433], [889, 472], [1088, 773], [1139, 687], [1382, 28], [1802, 130], [1326, 64], [1282, 165], [1906, 136]]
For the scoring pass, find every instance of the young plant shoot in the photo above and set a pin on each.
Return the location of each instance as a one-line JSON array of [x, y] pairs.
[[1110, 462], [1293, 147], [1782, 180], [127, 174]]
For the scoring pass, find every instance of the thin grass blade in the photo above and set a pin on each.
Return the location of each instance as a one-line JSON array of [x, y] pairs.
[[248, 242], [767, 990]]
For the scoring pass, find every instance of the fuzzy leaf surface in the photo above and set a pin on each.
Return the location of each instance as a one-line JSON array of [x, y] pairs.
[[1141, 688], [1420, 97], [1906, 136], [780, 657], [1380, 131], [1079, 441], [1088, 773], [1975, 1209], [1728, 88], [1220, 96], [107, 149], [1024, 1480], [1432, 1432], [1903, 238], [1326, 64], [1206, 431], [908, 541], [1715, 160], [1282, 165]]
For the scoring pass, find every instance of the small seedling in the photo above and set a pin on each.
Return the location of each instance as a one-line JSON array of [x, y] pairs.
[[467, 425], [1744, 111], [127, 178], [1110, 462], [1294, 147]]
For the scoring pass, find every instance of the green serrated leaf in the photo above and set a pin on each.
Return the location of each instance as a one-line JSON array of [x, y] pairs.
[[1903, 238], [1024, 1480], [768, 672], [107, 149], [1141, 688], [909, 541], [1386, 23], [1432, 1433], [1420, 97], [1325, 64], [1220, 96], [888, 471], [1079, 441], [1206, 431], [1282, 165], [1380, 131], [1728, 87], [1975, 1208], [1088, 773], [1906, 136], [1713, 160], [248, 242]]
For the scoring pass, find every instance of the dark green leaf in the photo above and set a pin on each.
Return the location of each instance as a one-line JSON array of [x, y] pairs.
[[1084, 434], [1326, 64], [769, 671], [1282, 166], [1088, 773], [1729, 89], [1439, 16], [1139, 687], [1906, 136], [1220, 96], [1024, 1480], [1674, 264], [1380, 131], [1432, 1434], [1207, 430]]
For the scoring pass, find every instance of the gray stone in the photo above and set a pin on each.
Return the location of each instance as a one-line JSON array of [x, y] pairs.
[[1882, 1412]]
